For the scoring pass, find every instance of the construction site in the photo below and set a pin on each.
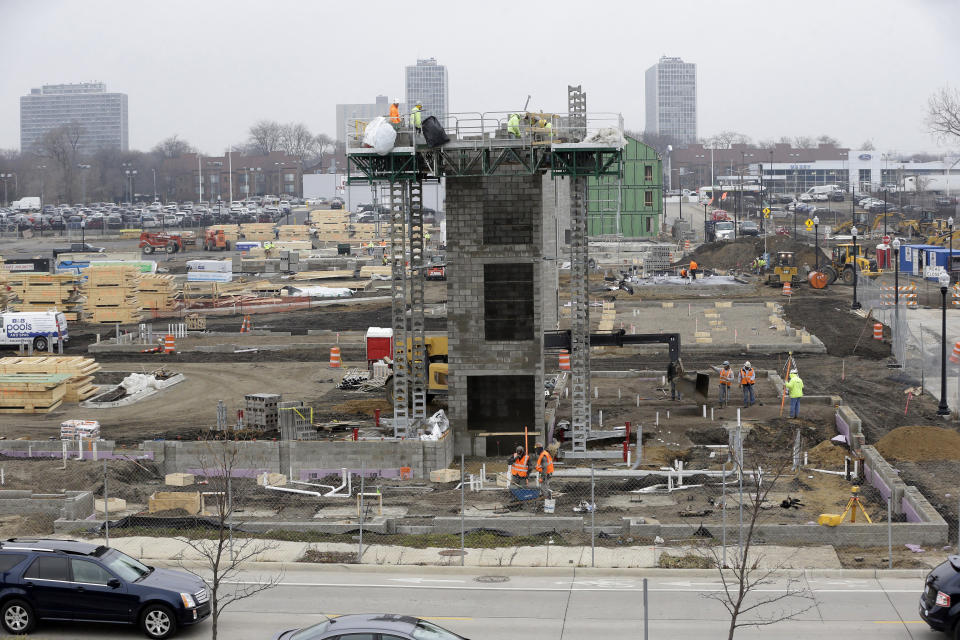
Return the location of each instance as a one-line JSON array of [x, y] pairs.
[[380, 375]]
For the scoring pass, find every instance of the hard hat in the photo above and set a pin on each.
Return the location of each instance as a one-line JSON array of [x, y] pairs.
[[726, 363], [519, 449], [539, 444], [747, 363], [419, 104], [793, 371]]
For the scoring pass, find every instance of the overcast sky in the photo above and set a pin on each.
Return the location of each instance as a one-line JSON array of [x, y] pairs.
[[207, 69]]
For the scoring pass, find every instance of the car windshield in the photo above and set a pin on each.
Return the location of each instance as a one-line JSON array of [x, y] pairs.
[[311, 632], [724, 226], [429, 631], [124, 566]]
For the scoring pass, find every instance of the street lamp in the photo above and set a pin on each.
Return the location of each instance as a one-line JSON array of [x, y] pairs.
[[896, 293], [950, 259], [83, 181], [154, 184], [41, 168], [855, 305], [943, 409], [6, 176], [816, 242], [704, 221]]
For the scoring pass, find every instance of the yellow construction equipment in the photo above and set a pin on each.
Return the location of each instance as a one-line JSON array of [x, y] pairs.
[[833, 519], [437, 366], [784, 269], [842, 262]]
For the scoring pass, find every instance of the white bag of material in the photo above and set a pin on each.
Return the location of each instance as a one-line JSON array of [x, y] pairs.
[[322, 292], [380, 135], [136, 382]]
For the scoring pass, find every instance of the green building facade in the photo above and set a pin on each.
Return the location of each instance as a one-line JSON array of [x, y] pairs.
[[640, 195]]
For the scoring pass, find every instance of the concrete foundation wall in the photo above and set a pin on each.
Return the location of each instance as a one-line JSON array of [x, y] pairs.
[[73, 505]]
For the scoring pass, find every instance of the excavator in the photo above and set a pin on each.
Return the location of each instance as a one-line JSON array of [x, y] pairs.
[[859, 218]]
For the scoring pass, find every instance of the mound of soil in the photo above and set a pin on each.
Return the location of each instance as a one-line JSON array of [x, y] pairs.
[[709, 435], [740, 253], [916, 444], [827, 454]]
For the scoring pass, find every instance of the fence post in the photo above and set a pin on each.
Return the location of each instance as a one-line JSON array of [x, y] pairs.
[[360, 519], [646, 612], [230, 512], [889, 537], [106, 506], [593, 520], [723, 481], [463, 551]]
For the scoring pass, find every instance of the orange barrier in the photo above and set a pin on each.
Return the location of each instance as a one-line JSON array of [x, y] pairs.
[[955, 356], [335, 357], [564, 360], [818, 279], [877, 331], [787, 289], [169, 345]]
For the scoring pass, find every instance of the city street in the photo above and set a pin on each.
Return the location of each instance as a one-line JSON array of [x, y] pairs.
[[551, 605]]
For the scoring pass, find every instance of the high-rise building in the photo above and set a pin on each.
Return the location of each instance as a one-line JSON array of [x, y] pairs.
[[349, 114], [427, 84], [672, 99], [102, 116]]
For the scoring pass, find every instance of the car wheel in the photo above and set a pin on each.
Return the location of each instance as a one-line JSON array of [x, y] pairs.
[[39, 344], [17, 617], [157, 622]]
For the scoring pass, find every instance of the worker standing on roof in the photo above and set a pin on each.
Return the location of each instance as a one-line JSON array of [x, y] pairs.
[[747, 378], [395, 112], [416, 117], [794, 386], [544, 469], [519, 466], [726, 381], [513, 125], [693, 269]]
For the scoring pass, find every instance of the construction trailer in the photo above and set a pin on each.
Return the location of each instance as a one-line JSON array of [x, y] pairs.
[[516, 206]]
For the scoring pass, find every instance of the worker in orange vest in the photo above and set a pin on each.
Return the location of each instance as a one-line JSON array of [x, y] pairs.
[[544, 469], [395, 112], [747, 378], [694, 267], [519, 466], [726, 381]]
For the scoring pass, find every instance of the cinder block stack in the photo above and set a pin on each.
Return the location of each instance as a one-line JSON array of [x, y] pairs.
[[111, 294]]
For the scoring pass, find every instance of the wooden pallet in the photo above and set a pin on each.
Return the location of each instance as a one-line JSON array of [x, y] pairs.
[[29, 408]]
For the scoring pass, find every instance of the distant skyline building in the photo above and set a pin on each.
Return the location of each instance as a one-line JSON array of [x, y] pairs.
[[102, 115], [427, 83], [347, 114], [671, 93]]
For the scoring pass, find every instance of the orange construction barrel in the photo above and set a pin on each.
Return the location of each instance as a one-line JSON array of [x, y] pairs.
[[877, 331], [818, 279], [564, 360], [334, 357]]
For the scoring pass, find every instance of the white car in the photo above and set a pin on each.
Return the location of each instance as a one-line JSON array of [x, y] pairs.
[[821, 197], [806, 197]]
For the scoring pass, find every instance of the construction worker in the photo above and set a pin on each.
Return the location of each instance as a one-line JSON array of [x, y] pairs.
[[693, 269], [544, 469], [416, 117], [519, 466], [395, 113], [747, 378], [513, 125], [726, 381], [794, 386], [674, 371], [683, 273]]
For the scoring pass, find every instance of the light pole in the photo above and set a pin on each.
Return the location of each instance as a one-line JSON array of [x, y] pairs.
[[816, 242], [896, 293], [855, 305], [679, 194], [199, 179], [704, 221], [950, 259], [41, 168], [279, 166], [130, 177], [943, 409], [154, 184], [6, 199]]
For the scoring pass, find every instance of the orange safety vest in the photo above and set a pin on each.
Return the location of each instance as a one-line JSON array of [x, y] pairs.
[[726, 376], [394, 114], [683, 273], [747, 376], [545, 454], [519, 467], [693, 265]]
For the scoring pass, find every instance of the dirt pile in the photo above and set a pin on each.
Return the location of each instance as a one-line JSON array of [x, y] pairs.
[[827, 454], [740, 253], [916, 444]]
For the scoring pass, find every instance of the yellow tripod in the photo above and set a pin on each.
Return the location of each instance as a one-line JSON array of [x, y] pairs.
[[832, 520]]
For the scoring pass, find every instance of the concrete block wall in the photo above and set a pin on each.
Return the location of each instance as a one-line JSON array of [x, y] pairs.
[[73, 505], [477, 208]]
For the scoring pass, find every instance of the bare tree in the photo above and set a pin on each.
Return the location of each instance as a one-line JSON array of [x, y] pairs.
[[173, 147], [223, 554], [296, 140], [943, 113], [746, 592], [767, 143], [785, 140], [726, 139], [804, 142], [266, 136], [867, 145], [825, 139], [61, 146]]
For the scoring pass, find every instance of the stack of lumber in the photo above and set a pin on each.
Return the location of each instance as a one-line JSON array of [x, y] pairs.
[[157, 292], [258, 231], [327, 215], [339, 231], [43, 292], [111, 293], [79, 385], [299, 232], [32, 392]]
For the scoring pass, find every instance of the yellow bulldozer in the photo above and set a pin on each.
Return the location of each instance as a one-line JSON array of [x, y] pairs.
[[842, 264], [784, 270], [437, 367]]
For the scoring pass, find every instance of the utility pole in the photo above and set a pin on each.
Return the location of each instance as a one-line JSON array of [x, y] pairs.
[[200, 178]]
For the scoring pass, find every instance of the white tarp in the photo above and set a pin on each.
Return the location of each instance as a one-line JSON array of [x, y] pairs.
[[322, 292], [437, 425], [380, 135], [137, 382]]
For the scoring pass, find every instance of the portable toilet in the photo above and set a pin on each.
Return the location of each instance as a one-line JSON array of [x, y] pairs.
[[884, 254], [379, 344]]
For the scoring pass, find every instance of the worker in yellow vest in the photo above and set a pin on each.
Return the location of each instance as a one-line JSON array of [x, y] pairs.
[[416, 117], [544, 469]]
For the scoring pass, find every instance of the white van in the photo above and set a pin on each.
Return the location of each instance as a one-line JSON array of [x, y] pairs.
[[41, 328]]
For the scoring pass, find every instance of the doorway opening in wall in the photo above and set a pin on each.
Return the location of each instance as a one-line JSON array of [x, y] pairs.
[[502, 404]]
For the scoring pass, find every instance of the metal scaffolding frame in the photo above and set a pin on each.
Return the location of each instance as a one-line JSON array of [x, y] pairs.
[[579, 316], [418, 349], [398, 299]]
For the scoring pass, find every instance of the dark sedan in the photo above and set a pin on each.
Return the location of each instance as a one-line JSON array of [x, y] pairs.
[[389, 627]]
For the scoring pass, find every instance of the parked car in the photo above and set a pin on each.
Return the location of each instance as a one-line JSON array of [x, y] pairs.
[[749, 228], [941, 593], [115, 222], [85, 582], [149, 222], [78, 247], [371, 625]]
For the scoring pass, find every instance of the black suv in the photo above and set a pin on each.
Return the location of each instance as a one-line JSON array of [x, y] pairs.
[[940, 602], [73, 580]]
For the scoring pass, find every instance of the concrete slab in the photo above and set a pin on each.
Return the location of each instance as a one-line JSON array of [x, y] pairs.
[[634, 500]]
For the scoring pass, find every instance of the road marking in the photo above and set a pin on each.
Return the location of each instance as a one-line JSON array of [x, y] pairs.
[[899, 622], [419, 580], [716, 585]]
